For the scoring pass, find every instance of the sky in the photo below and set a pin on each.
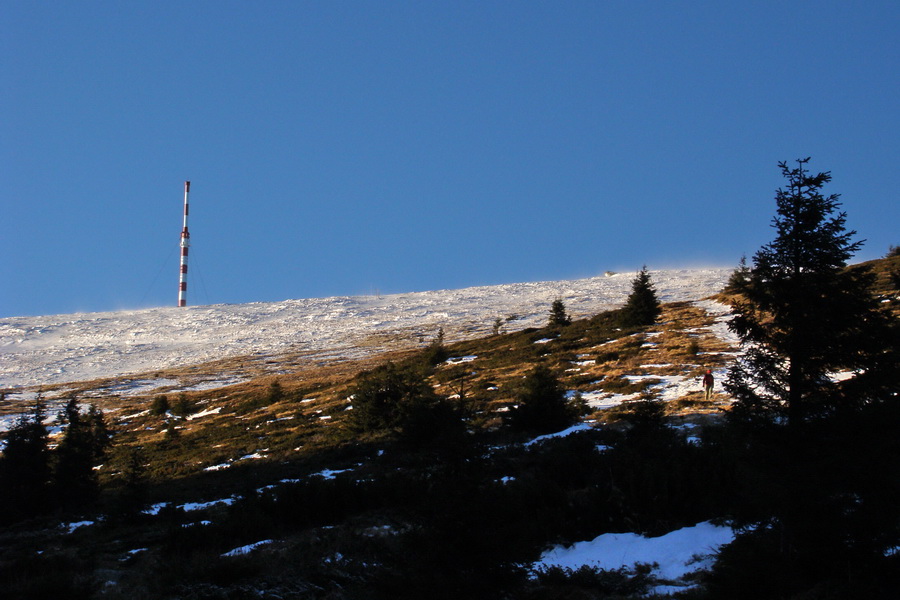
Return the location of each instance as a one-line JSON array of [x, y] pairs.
[[353, 148]]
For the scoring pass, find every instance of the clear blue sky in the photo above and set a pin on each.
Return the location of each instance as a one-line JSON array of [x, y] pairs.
[[339, 148]]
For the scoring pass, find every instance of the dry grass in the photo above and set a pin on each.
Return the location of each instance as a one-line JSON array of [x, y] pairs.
[[310, 412]]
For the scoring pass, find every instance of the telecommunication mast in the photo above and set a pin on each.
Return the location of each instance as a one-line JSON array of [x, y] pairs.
[[185, 244]]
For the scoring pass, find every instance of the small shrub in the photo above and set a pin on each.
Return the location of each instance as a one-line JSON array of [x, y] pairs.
[[646, 415], [589, 582], [435, 354], [435, 424], [159, 406], [183, 406], [579, 405], [605, 357], [498, 325], [275, 393], [172, 432]]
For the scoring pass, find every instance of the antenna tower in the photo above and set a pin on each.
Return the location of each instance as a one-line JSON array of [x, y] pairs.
[[185, 244]]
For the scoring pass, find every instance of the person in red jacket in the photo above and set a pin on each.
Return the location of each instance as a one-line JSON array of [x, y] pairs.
[[708, 383]]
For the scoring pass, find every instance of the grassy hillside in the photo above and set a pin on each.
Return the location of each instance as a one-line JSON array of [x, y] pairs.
[[337, 512], [293, 418]]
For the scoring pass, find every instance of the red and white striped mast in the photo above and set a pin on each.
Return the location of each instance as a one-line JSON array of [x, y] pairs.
[[185, 244]]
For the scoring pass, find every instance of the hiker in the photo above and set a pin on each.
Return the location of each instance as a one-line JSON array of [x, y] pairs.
[[708, 383]]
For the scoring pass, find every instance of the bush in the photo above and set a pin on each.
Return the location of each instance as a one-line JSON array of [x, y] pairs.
[[159, 406], [183, 406], [588, 582], [275, 393], [401, 400], [435, 354]]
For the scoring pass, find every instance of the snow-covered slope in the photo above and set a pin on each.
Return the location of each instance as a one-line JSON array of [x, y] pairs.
[[78, 347]]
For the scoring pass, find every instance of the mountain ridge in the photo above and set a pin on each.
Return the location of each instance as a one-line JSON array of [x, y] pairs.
[[57, 349]]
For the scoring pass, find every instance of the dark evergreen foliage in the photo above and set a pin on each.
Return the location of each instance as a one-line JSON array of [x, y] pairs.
[[436, 352], [818, 479], [25, 467], [378, 396], [556, 583], [803, 316], [275, 393], [39, 576], [738, 278], [132, 496], [160, 405], [74, 479], [642, 306], [36, 479], [542, 404], [400, 400], [183, 406], [558, 315]]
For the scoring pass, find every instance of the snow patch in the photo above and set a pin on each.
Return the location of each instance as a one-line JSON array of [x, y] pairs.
[[558, 434], [189, 506], [247, 549], [71, 527], [330, 473], [205, 413], [213, 384], [676, 554], [601, 400], [460, 359]]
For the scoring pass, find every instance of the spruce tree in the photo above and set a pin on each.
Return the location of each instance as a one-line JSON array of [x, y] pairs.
[[642, 306], [382, 395], [558, 316], [101, 437], [436, 352], [401, 401], [132, 495], [159, 406], [25, 466], [815, 418], [738, 277], [81, 448], [803, 317], [542, 404]]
